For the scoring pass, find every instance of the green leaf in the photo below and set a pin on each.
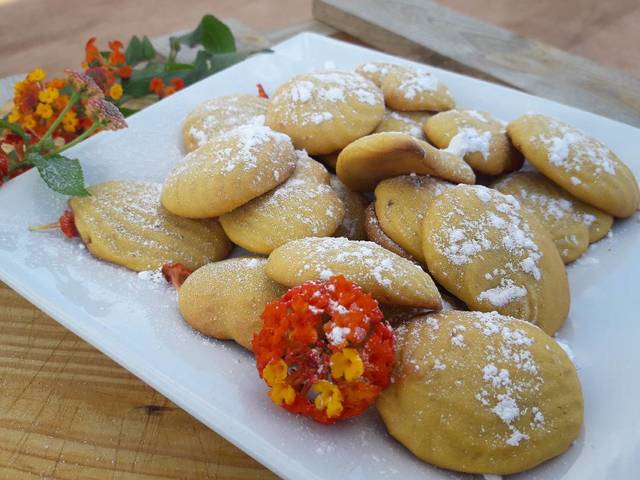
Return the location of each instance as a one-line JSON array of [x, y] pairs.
[[62, 174], [15, 128], [212, 34], [207, 63], [147, 49], [139, 51], [172, 67], [128, 111]]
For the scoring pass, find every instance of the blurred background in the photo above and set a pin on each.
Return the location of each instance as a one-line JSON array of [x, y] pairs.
[[52, 33]]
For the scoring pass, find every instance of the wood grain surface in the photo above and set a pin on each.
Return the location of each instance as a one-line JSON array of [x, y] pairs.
[[441, 36], [69, 412]]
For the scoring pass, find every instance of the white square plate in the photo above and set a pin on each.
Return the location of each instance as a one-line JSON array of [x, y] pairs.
[[136, 322]]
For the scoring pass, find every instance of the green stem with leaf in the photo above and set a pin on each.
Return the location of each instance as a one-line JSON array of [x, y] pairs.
[[75, 96], [87, 133]]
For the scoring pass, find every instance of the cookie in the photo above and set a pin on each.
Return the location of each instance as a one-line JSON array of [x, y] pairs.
[[229, 171], [491, 253], [353, 222], [481, 393], [571, 223], [124, 223], [323, 112], [368, 160], [304, 205], [409, 88], [385, 275], [404, 122], [220, 115], [225, 299], [580, 164], [375, 71], [401, 203], [377, 235], [478, 137], [329, 160]]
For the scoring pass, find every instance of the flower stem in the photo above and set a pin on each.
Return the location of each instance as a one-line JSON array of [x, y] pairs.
[[40, 228], [78, 139], [75, 96]]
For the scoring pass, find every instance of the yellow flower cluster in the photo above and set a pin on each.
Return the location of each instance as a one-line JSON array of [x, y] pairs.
[[329, 398], [346, 363], [275, 374]]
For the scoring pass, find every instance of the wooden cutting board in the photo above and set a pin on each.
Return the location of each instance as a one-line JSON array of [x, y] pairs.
[[428, 32]]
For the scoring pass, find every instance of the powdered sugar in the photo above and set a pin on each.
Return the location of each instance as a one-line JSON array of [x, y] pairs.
[[503, 294], [575, 152], [417, 81], [470, 140]]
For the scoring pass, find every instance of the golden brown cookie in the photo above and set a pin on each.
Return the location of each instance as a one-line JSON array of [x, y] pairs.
[[487, 250], [353, 222], [323, 112], [377, 235], [228, 171], [123, 222], [570, 222], [401, 203], [580, 164], [385, 275], [481, 393], [478, 137], [225, 299], [404, 122], [409, 88], [305, 205], [220, 115], [368, 160]]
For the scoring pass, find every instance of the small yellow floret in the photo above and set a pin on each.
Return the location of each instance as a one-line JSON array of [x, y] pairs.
[[329, 398], [346, 363], [14, 116], [116, 91], [48, 95], [275, 372], [282, 393], [36, 75], [44, 110]]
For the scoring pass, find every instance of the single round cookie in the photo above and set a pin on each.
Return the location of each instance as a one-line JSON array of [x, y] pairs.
[[305, 205], [353, 222], [220, 115], [405, 122], [229, 171], [225, 299], [323, 112], [368, 160], [580, 164], [123, 222], [401, 203], [385, 275], [570, 222], [377, 235], [491, 253], [478, 137], [481, 393], [408, 88]]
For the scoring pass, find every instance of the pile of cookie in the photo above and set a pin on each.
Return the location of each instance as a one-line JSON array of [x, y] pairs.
[[430, 211]]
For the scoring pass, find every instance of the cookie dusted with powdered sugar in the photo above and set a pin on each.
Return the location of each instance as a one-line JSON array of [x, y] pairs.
[[220, 115], [478, 137], [227, 172], [324, 111], [305, 205], [580, 164], [493, 254], [481, 393], [123, 222], [385, 275], [572, 224]]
